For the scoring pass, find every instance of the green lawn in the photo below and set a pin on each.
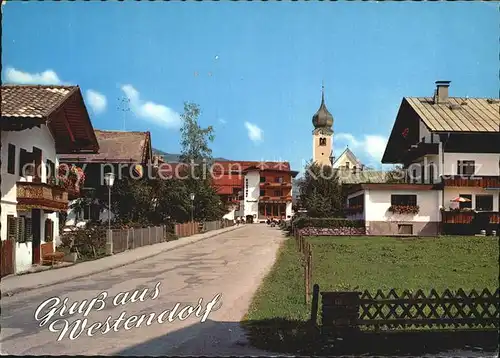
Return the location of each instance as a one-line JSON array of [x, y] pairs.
[[383, 263], [278, 313]]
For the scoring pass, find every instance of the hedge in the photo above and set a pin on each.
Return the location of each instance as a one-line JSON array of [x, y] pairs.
[[304, 222]]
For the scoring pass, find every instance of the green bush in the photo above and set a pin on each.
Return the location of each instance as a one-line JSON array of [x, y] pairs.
[[89, 241], [332, 223]]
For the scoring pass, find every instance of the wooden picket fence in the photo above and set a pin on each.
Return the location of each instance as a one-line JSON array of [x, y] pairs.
[[187, 229], [129, 239], [344, 313], [306, 260]]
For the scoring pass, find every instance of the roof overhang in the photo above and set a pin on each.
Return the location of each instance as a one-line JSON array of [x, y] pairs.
[[69, 124], [404, 133]]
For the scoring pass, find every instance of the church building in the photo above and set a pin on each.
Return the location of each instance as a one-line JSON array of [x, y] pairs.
[[323, 134]]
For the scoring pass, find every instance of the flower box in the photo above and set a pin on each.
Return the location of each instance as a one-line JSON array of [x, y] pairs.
[[404, 209]]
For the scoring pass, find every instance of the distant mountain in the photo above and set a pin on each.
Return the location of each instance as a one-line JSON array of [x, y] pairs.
[[170, 157]]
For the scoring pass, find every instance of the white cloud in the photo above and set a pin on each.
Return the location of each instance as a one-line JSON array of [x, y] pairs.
[[222, 121], [157, 113], [254, 132], [373, 145], [47, 77], [97, 101]]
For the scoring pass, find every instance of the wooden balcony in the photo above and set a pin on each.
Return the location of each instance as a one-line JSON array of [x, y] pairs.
[[475, 181], [33, 195], [457, 217], [421, 149], [275, 199], [467, 217], [275, 185]]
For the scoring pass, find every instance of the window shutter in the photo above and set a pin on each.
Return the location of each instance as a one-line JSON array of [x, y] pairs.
[[21, 229], [11, 227], [28, 229]]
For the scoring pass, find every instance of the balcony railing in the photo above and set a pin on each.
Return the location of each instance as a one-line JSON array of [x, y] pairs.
[[457, 217], [276, 198], [421, 149], [467, 217], [475, 181], [275, 185], [32, 195]]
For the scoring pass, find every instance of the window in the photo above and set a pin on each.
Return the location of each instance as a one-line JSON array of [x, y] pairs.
[[484, 202], [19, 229], [431, 173], [356, 201], [49, 230], [278, 180], [405, 229], [11, 161], [25, 158], [262, 179], [422, 174], [466, 167], [406, 200], [50, 169], [414, 176], [322, 142], [347, 165], [277, 193], [262, 193], [466, 204]]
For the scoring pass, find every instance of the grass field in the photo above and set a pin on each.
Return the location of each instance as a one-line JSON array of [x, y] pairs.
[[367, 263]]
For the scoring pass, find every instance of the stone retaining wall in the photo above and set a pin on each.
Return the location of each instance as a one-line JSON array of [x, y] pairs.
[[339, 231]]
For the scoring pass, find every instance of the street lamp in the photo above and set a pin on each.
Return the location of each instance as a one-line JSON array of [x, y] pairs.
[[109, 179], [192, 205]]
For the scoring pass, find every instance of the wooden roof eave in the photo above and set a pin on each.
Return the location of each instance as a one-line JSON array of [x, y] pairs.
[[88, 144], [20, 123]]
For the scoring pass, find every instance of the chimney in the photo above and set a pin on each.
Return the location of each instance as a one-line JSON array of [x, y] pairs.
[[441, 93]]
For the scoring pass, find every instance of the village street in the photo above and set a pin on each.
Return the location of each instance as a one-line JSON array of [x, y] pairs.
[[232, 264]]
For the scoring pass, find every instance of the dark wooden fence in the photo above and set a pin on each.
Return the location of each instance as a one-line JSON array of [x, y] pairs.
[[344, 313], [128, 239], [7, 258], [306, 260]]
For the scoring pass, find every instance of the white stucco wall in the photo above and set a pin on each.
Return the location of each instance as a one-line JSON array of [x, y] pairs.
[[231, 214], [71, 216], [378, 201], [252, 193], [486, 163], [26, 139]]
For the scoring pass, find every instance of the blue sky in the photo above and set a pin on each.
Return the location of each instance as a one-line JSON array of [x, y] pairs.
[[254, 68]]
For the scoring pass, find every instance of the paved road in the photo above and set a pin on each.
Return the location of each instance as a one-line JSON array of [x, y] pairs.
[[232, 264]]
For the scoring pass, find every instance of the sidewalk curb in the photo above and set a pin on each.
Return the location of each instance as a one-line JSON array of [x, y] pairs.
[[100, 270]]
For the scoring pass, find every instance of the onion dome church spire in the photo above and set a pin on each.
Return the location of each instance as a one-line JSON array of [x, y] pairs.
[[322, 118]]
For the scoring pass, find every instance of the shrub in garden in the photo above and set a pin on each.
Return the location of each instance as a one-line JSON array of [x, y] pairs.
[[89, 241]]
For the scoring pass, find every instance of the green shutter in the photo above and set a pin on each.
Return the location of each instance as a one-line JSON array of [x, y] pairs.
[[21, 229], [28, 233], [11, 227]]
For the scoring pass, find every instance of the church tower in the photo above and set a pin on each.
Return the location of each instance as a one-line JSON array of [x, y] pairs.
[[323, 134]]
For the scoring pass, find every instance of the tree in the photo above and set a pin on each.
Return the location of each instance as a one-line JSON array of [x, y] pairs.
[[396, 175], [196, 151], [194, 139], [321, 191]]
